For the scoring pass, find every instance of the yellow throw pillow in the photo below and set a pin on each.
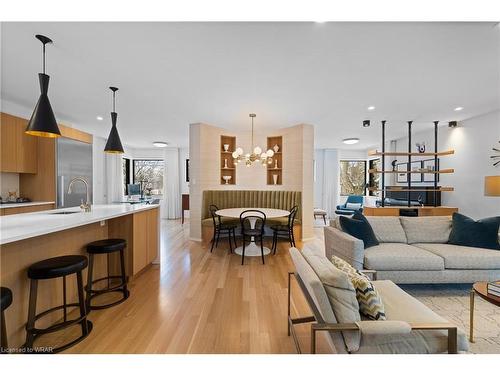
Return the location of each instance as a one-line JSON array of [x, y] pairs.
[[369, 301]]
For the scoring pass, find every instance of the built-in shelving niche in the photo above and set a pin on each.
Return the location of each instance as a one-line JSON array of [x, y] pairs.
[[227, 167], [276, 167]]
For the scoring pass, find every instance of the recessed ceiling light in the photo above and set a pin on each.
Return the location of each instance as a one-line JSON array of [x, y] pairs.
[[458, 109], [160, 144], [366, 123], [350, 141], [99, 118], [371, 108]]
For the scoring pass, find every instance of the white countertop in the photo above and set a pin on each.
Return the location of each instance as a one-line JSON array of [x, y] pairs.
[[21, 226], [25, 204]]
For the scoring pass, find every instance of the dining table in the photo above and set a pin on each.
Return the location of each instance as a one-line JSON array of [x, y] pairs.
[[252, 249]]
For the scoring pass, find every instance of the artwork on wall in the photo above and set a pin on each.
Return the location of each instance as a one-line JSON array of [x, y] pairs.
[[187, 170], [428, 164]]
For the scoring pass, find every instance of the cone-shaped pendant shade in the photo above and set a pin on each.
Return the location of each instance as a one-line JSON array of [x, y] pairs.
[[114, 144], [43, 122]]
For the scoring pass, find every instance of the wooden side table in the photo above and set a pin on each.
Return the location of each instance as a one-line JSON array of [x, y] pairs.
[[480, 288]]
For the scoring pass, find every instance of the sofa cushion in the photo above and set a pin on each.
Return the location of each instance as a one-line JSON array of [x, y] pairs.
[[339, 289], [433, 229], [387, 228], [361, 229], [225, 220], [400, 306], [370, 303], [464, 257], [401, 257], [482, 233]]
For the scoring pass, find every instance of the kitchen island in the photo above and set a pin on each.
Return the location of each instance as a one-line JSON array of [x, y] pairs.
[[31, 237]]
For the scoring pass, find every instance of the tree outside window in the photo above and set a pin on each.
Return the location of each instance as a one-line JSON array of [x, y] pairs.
[[352, 177], [150, 174]]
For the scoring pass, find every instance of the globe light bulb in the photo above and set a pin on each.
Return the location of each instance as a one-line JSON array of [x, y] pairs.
[[263, 155], [239, 150], [270, 153], [257, 150], [235, 155]]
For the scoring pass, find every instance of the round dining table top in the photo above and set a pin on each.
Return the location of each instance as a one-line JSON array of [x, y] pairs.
[[236, 212]]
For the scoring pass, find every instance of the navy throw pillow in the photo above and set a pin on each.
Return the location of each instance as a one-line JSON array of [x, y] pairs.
[[468, 232], [359, 228]]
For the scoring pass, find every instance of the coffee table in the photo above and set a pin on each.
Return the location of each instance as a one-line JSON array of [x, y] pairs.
[[480, 289]]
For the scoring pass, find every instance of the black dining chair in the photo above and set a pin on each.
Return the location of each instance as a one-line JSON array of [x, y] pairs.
[[255, 231], [221, 228], [285, 230]]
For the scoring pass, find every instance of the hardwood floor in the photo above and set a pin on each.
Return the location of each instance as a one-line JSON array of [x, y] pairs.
[[202, 302]]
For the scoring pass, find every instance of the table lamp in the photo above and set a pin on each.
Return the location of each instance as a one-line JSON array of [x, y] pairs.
[[492, 186]]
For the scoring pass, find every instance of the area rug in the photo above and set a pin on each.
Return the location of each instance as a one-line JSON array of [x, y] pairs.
[[451, 301]]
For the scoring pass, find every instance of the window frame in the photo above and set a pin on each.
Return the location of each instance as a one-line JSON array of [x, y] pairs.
[[143, 159], [364, 174]]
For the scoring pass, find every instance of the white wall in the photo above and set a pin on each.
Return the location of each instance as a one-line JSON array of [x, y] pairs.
[[472, 141]]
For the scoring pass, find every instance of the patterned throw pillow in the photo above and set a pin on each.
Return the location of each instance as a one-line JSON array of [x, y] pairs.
[[342, 265], [369, 301]]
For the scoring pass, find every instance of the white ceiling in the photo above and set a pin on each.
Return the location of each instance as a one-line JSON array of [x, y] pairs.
[[325, 74]]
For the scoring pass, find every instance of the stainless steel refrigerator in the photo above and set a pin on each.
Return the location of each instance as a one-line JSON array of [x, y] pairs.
[[74, 159]]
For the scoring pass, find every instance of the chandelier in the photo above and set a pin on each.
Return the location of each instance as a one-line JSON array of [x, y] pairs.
[[257, 156]]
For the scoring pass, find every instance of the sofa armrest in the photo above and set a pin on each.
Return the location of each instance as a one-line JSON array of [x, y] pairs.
[[344, 246], [384, 327], [387, 327]]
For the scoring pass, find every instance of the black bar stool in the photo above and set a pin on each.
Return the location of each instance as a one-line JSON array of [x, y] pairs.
[[50, 269], [107, 247], [5, 302]]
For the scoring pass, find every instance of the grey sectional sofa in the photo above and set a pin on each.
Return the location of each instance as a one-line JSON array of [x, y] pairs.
[[414, 250]]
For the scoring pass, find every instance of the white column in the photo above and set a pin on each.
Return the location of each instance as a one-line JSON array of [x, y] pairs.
[[114, 178]]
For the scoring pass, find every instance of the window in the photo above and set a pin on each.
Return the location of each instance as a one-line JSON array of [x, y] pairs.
[[149, 173], [352, 177], [126, 174]]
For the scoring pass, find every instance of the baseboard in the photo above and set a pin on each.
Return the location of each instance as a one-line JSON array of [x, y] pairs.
[[308, 239], [195, 239]]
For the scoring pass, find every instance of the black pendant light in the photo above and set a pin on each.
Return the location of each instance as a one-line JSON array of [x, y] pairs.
[[43, 122], [114, 145]]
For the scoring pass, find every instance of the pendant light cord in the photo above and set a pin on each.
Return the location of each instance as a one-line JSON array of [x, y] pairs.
[[43, 59], [252, 135], [114, 101]]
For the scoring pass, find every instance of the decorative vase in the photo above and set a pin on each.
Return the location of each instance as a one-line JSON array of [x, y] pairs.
[[275, 179], [276, 148], [275, 163], [226, 147], [227, 179], [225, 163]]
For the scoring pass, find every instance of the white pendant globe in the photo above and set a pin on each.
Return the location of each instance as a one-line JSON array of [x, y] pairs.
[[257, 150], [270, 153]]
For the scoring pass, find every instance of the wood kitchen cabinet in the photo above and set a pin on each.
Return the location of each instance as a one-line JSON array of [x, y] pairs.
[[145, 239], [24, 209], [19, 151]]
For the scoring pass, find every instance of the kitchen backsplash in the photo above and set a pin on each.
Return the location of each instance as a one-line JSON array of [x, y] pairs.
[[8, 182]]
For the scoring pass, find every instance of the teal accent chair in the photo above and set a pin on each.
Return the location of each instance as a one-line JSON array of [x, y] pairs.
[[342, 208]]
